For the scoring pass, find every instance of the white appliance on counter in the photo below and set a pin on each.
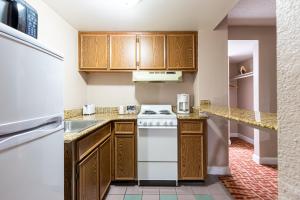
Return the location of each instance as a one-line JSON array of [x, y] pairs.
[[183, 103], [31, 119], [89, 109], [157, 144]]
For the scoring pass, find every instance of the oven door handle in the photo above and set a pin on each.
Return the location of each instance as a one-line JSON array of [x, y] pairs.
[[157, 127]]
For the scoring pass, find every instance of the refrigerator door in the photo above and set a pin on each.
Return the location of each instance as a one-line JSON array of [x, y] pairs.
[[31, 81], [33, 170], [31, 128]]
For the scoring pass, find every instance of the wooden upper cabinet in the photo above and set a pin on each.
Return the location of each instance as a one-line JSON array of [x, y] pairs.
[[129, 51], [151, 51], [93, 51], [123, 51], [181, 51]]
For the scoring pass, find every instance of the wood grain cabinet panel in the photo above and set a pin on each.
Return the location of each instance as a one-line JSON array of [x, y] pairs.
[[181, 51], [125, 157], [192, 150], [191, 127], [192, 160], [93, 51], [123, 52], [124, 127], [151, 51], [105, 166], [88, 185], [90, 142]]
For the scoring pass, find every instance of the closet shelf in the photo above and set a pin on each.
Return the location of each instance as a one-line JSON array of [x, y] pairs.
[[241, 76]]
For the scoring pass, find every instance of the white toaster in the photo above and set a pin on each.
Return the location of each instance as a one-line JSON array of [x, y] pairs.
[[89, 109]]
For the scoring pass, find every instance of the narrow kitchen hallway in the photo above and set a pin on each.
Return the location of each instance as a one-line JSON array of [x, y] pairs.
[[249, 180]]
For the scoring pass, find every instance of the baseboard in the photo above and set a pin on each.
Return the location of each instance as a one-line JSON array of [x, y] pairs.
[[264, 160], [216, 170], [247, 139], [234, 134]]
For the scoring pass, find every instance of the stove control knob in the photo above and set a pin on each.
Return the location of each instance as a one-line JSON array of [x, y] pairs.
[[165, 123], [157, 123], [145, 123], [170, 123], [150, 123]]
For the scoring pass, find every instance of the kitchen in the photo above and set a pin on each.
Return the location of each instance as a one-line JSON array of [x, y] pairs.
[[128, 69]]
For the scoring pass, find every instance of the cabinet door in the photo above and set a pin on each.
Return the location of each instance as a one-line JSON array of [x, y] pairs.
[[151, 52], [125, 157], [105, 166], [123, 52], [93, 51], [181, 51], [88, 185], [191, 157]]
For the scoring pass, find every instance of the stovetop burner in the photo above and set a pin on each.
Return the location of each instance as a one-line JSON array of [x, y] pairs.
[[149, 112], [165, 112]]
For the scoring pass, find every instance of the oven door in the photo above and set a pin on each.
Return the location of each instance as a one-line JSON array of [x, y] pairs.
[[157, 154], [157, 144]]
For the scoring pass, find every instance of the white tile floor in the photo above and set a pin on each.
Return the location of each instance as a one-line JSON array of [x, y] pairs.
[[215, 190]]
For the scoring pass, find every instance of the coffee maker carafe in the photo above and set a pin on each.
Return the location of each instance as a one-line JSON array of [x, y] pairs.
[[183, 103]]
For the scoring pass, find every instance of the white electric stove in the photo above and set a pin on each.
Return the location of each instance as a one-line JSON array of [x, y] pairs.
[[157, 145]]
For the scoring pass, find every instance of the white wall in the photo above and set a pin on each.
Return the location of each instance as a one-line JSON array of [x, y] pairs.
[[114, 89], [266, 35], [56, 33], [212, 83], [288, 71], [212, 76]]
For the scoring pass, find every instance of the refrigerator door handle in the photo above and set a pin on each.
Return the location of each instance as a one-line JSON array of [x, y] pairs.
[[27, 125], [51, 126]]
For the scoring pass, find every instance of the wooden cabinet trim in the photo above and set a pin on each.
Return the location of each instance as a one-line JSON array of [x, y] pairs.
[[119, 67], [194, 52], [189, 168], [81, 35], [191, 127], [123, 69], [82, 176], [130, 173], [118, 128], [104, 189], [186, 152], [140, 66], [87, 144]]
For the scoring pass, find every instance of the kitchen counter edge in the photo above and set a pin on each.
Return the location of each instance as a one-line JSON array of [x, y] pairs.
[[107, 118]]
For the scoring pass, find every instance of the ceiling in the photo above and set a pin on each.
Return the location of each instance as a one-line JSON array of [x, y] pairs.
[[240, 50], [253, 12], [147, 15]]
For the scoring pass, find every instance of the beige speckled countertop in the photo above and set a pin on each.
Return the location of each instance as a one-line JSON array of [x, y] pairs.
[[259, 119], [192, 116], [106, 118], [103, 119]]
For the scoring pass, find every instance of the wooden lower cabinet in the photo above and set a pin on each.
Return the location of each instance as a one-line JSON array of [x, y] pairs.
[[105, 166], [191, 157], [88, 172], [125, 160], [192, 147]]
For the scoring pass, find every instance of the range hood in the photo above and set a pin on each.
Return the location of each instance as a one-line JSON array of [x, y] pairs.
[[157, 76]]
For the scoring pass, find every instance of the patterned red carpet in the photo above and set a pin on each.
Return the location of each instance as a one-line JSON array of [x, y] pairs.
[[249, 180]]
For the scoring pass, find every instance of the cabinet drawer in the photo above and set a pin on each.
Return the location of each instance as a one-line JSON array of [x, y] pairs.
[[191, 127], [87, 144], [124, 128]]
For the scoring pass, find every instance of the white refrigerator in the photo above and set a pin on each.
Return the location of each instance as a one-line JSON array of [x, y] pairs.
[[31, 119]]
